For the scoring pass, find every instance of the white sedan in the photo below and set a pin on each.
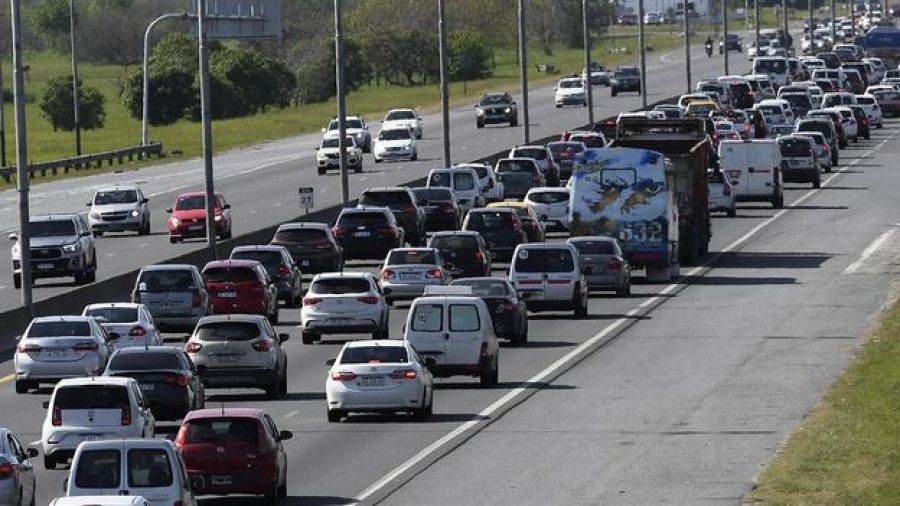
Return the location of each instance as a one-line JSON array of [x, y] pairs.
[[403, 118], [397, 143], [384, 376], [132, 322]]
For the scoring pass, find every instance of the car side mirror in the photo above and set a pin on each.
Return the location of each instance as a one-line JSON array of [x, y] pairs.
[[227, 206], [113, 336], [403, 328], [387, 290], [169, 210], [46, 404], [430, 362], [197, 483], [32, 452], [145, 200], [88, 204], [65, 484], [316, 148], [284, 435], [284, 337], [13, 236], [588, 270], [329, 362]]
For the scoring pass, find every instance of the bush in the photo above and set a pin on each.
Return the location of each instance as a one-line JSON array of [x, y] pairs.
[[57, 105]]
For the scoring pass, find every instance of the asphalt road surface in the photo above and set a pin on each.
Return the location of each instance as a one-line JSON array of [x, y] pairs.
[[677, 394]]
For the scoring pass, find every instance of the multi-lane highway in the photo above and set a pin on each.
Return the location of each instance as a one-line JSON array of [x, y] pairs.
[[677, 394]]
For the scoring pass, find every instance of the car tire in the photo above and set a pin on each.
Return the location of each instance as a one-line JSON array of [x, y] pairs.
[[559, 106], [495, 373], [377, 160], [868, 137], [485, 376], [271, 495], [17, 281], [358, 168], [334, 415], [383, 331], [49, 462], [273, 318], [731, 213], [308, 338], [414, 157], [282, 489], [283, 383], [145, 228], [80, 278], [580, 304], [817, 183], [173, 240], [624, 290], [479, 124], [97, 233], [613, 92], [321, 170], [522, 338], [22, 387], [421, 413], [274, 387]]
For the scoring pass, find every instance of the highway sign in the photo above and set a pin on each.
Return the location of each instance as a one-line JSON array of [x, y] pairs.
[[307, 196]]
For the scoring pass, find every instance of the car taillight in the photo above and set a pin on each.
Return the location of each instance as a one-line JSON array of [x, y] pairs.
[[479, 256], [448, 208], [196, 300], [177, 380], [322, 245], [403, 374], [6, 470], [262, 345], [388, 230], [126, 415], [388, 274], [311, 301], [825, 148], [192, 347], [137, 331], [506, 306], [338, 231], [343, 376], [434, 273], [614, 263], [409, 210], [283, 270], [536, 178], [30, 348], [56, 418], [368, 299], [86, 347], [483, 355]]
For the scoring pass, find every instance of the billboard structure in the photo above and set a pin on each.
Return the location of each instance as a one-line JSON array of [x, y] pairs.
[[239, 19]]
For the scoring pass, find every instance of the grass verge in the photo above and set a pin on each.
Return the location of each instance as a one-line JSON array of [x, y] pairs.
[[847, 450]]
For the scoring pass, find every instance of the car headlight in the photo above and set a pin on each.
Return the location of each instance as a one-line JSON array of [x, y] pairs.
[[218, 217], [135, 213], [507, 110], [174, 221], [95, 215], [16, 250], [479, 112], [71, 248]]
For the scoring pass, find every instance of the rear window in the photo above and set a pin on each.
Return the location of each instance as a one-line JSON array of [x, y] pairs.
[[464, 318], [865, 100], [546, 197], [400, 257], [375, 355], [774, 66], [390, 199], [515, 166], [91, 397], [606, 247], [797, 99], [481, 171], [166, 281], [233, 274], [227, 331], [263, 257], [454, 242], [792, 148], [143, 361], [536, 153], [149, 467], [98, 469], [300, 235], [340, 286], [428, 318], [211, 430], [59, 329], [464, 181], [490, 220], [354, 220], [485, 288], [433, 194], [591, 141], [565, 150], [544, 260], [114, 314]]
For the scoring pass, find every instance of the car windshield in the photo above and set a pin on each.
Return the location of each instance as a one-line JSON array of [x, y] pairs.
[[766, 66], [91, 397], [229, 274], [333, 142], [112, 314], [374, 355], [392, 199], [627, 72], [589, 247], [300, 235], [399, 115], [105, 197], [394, 134], [232, 430], [433, 194], [59, 329], [486, 287], [570, 83], [267, 258], [536, 153], [548, 197], [348, 123], [51, 228], [494, 100], [770, 109], [144, 360], [369, 220], [339, 286], [795, 148], [227, 331], [544, 260], [188, 202], [401, 257]]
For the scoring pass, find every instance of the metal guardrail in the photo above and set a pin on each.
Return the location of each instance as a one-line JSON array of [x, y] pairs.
[[83, 162]]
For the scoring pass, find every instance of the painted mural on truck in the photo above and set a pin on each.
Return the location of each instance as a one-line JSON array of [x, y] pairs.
[[621, 192]]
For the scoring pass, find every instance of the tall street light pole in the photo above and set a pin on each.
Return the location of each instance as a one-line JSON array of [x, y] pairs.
[[687, 45], [642, 42], [445, 78], [725, 34], [812, 28], [76, 94], [523, 63], [756, 25], [833, 31], [145, 108], [22, 177], [587, 62], [206, 122], [341, 99]]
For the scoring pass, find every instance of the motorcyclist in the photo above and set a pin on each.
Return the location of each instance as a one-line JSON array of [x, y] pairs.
[[709, 45]]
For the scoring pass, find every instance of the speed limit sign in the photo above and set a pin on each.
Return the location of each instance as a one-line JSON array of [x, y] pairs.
[[307, 197]]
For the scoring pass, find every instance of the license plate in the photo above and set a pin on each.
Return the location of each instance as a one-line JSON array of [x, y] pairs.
[[305, 263], [89, 437], [371, 382], [228, 358], [229, 295], [362, 234], [147, 387], [57, 353], [493, 254], [194, 228], [410, 275], [220, 480], [44, 267]]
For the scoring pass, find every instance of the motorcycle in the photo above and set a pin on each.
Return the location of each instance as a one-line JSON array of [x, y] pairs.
[[709, 50]]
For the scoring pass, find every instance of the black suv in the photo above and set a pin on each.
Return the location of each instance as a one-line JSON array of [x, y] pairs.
[[625, 79], [403, 203], [61, 245], [465, 253], [501, 229], [312, 246], [367, 232], [731, 42], [496, 108]]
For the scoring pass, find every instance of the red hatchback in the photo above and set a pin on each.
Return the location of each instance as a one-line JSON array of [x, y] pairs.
[[189, 217], [241, 287], [234, 451]]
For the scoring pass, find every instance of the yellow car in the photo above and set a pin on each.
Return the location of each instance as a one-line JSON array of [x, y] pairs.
[[534, 229], [702, 108]]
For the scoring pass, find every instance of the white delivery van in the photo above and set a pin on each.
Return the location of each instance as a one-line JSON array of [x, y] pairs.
[[465, 183], [454, 328], [754, 168]]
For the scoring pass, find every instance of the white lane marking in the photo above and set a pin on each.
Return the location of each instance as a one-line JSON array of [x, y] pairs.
[[575, 355], [38, 442], [869, 251], [292, 413]]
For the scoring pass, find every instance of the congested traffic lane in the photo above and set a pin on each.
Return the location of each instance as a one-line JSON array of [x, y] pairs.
[[261, 182]]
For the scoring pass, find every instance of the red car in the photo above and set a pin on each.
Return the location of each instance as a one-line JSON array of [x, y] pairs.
[[189, 217], [241, 287], [889, 101], [234, 451]]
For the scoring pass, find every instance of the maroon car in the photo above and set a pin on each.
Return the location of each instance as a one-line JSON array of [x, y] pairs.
[[889, 101], [241, 286], [234, 451]]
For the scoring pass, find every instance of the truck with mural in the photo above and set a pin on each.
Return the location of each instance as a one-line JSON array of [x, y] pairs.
[[685, 143], [628, 193], [883, 41]]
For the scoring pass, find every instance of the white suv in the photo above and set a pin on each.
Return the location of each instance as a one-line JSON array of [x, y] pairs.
[[328, 154], [344, 303], [549, 276], [119, 209], [570, 91], [91, 409]]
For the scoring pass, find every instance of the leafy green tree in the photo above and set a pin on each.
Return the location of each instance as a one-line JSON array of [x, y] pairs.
[[57, 105], [49, 21], [470, 55], [172, 94]]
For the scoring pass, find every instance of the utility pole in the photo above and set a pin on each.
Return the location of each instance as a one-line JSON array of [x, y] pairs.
[[587, 62], [206, 121], [787, 55], [725, 33], [22, 176], [642, 41], [687, 45], [756, 25], [76, 93], [523, 63], [341, 99], [445, 78], [812, 28], [833, 31], [145, 69]]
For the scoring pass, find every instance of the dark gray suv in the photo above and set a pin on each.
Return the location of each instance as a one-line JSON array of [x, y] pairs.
[[61, 245]]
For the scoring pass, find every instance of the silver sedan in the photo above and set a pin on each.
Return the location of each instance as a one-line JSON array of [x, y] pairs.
[[606, 266], [407, 271]]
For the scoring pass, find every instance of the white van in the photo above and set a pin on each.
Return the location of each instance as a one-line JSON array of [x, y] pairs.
[[151, 468], [777, 111], [101, 500], [754, 169], [463, 180], [454, 328], [775, 67]]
